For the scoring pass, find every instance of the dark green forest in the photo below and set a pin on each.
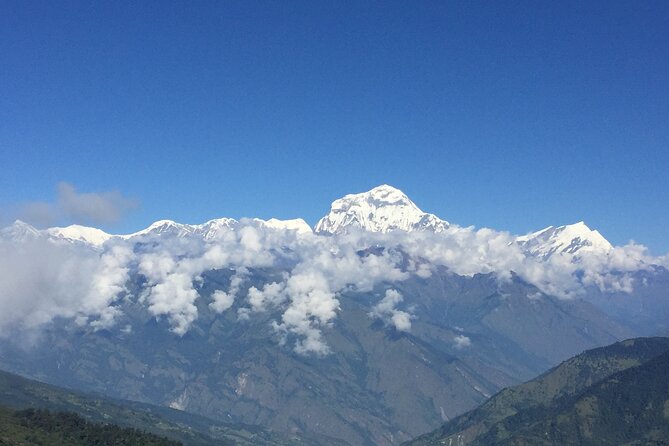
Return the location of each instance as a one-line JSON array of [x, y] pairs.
[[615, 395], [38, 427]]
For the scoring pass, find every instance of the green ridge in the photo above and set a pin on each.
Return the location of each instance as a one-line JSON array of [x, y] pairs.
[[610, 395]]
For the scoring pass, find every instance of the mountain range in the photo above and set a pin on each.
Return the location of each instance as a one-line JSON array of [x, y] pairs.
[[383, 209], [376, 326]]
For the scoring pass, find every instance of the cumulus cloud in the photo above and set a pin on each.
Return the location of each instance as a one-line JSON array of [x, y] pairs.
[[461, 342], [72, 206], [386, 311], [107, 283], [271, 295], [41, 280], [222, 300]]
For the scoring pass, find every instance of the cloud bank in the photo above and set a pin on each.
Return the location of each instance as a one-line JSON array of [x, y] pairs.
[[43, 279]]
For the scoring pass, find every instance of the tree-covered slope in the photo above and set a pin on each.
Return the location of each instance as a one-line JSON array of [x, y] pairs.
[[603, 396], [32, 427], [19, 393], [628, 408]]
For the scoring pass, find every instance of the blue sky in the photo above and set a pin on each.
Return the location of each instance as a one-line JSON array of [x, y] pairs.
[[511, 115]]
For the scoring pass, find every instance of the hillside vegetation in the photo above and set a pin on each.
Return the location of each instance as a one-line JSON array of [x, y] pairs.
[[18, 393], [33, 427], [612, 395]]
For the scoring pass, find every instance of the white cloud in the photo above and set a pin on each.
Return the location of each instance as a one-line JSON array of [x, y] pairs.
[[41, 280], [386, 311], [461, 342], [271, 295], [222, 300], [72, 206]]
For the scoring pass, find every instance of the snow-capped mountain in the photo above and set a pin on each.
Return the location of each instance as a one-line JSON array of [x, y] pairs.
[[163, 227], [211, 229], [573, 239], [296, 224], [382, 209], [92, 236], [19, 231]]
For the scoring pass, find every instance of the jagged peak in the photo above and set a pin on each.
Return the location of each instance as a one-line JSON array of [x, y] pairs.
[[381, 209], [20, 230], [567, 239]]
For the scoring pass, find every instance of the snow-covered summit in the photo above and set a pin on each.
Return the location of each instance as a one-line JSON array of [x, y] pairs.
[[382, 209], [569, 239], [162, 227], [211, 229], [19, 231], [84, 234], [297, 224]]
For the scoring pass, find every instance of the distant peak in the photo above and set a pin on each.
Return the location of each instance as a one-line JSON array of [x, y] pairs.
[[162, 227], [576, 238], [19, 230], [85, 234], [296, 224], [159, 223], [381, 209]]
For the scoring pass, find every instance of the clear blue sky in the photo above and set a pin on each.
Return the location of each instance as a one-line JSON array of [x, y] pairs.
[[512, 115]]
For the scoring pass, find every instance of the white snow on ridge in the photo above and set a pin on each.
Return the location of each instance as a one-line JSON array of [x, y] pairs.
[[213, 228], [297, 224], [19, 231], [92, 236], [162, 227], [382, 209], [569, 239]]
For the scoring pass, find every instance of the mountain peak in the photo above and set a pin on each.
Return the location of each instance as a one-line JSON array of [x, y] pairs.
[[160, 227], [567, 239], [93, 236], [19, 230], [381, 209], [389, 195], [296, 224]]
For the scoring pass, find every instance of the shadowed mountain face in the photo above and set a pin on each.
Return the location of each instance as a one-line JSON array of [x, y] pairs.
[[470, 337], [612, 395]]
